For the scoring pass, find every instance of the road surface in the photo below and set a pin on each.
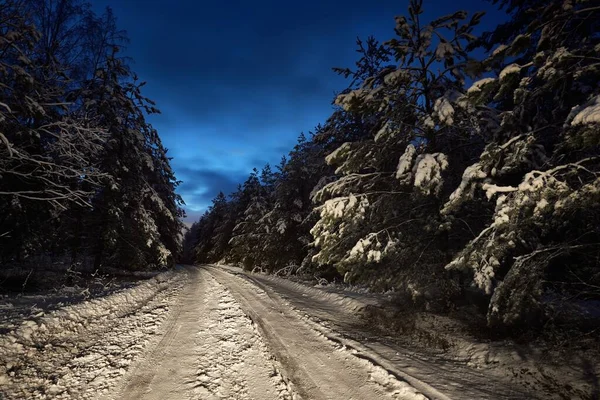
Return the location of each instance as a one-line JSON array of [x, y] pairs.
[[219, 333], [246, 336], [220, 346]]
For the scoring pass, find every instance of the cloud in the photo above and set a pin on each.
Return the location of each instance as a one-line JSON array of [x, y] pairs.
[[200, 186], [238, 81], [191, 217]]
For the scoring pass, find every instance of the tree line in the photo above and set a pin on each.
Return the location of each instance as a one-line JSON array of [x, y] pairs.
[[448, 177], [85, 181]]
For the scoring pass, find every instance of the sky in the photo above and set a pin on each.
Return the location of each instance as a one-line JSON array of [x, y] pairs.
[[238, 80]]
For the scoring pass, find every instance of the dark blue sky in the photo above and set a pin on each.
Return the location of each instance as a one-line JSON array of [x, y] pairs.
[[237, 81]]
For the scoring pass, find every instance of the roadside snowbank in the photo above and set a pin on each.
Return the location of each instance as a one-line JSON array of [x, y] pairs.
[[80, 350], [553, 372]]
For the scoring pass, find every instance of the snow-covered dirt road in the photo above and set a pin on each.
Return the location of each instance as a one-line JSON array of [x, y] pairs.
[[213, 333], [337, 319], [209, 350], [316, 367]]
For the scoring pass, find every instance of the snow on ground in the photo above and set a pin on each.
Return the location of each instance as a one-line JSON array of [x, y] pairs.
[[318, 367], [440, 353], [209, 350], [185, 335], [18, 307], [352, 301], [81, 350], [554, 373], [233, 360]]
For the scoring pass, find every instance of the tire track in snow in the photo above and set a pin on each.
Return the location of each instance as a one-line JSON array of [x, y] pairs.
[[316, 367], [210, 350], [438, 377]]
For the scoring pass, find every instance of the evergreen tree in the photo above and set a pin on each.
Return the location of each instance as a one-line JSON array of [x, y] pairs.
[[214, 232], [190, 240], [381, 213], [252, 205], [289, 219], [48, 150], [540, 165], [82, 174]]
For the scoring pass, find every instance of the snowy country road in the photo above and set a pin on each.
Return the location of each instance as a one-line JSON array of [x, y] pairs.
[[316, 367], [212, 350], [219, 333], [337, 319]]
